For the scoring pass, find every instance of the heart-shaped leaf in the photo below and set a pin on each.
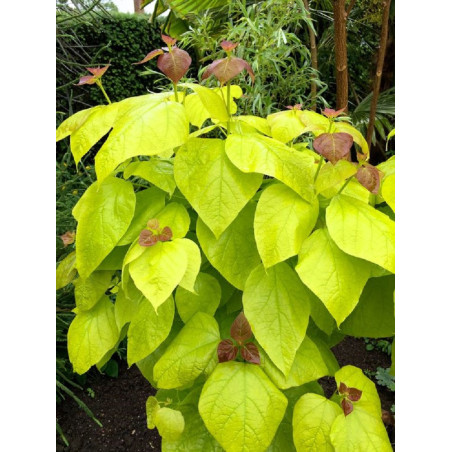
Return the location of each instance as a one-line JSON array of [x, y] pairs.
[[250, 353], [174, 64], [354, 394], [334, 146], [369, 177], [347, 406], [227, 68], [147, 238], [226, 351], [228, 46], [166, 234], [241, 329]]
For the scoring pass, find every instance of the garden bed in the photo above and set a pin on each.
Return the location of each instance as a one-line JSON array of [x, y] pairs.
[[119, 404]]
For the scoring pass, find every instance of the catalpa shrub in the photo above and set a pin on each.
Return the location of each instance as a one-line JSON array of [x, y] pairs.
[[232, 264]]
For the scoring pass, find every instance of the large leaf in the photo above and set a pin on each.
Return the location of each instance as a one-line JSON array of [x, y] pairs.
[[331, 175], [148, 203], [89, 291], [374, 314], [156, 171], [260, 154], [205, 299], [312, 420], [241, 407], [127, 305], [159, 269], [234, 254], [215, 188], [277, 307], [360, 431], [388, 191], [286, 125], [193, 254], [189, 353], [103, 213], [87, 127], [313, 360], [354, 377], [212, 101], [147, 130], [148, 329], [362, 231], [91, 335], [282, 222], [334, 276]]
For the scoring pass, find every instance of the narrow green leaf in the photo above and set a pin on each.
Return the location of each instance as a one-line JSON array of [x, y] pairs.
[[189, 353], [260, 154], [362, 231], [91, 335], [148, 329], [282, 222], [313, 418], [234, 254], [215, 188], [206, 297], [277, 307], [335, 277], [241, 407], [104, 214]]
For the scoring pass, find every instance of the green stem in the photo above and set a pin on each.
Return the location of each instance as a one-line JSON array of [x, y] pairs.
[[175, 92], [318, 168], [99, 84], [331, 125], [228, 103], [343, 186]]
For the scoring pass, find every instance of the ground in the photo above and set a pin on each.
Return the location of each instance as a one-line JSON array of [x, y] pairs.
[[119, 404]]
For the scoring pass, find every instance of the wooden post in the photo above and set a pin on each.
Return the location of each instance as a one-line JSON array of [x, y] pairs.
[[379, 71], [314, 59], [340, 53]]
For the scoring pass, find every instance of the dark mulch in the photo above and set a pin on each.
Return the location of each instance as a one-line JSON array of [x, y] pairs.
[[119, 404]]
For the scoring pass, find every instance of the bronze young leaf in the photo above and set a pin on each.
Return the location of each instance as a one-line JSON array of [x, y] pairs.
[[241, 329], [369, 177], [226, 351], [250, 353], [334, 146]]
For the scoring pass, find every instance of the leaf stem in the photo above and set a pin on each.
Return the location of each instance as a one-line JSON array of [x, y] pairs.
[[99, 84], [343, 186], [318, 168], [175, 92], [228, 103]]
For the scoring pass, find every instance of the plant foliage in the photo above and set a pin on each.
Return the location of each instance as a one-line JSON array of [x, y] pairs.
[[233, 261]]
